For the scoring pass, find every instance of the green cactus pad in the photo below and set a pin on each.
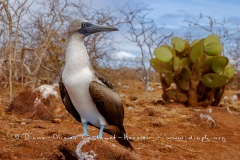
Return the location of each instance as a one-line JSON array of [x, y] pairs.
[[210, 39], [206, 57], [163, 53], [178, 43], [196, 52], [161, 67], [176, 63], [185, 62], [229, 65], [207, 65], [185, 73], [195, 42], [229, 72], [219, 63], [213, 49], [213, 80]]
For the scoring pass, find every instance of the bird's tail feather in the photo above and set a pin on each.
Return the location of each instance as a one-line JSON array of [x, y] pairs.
[[120, 135]]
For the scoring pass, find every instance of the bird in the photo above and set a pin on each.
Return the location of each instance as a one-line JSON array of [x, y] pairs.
[[88, 96]]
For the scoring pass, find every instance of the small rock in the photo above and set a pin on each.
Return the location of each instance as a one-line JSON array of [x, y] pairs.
[[210, 110], [130, 108], [234, 97], [228, 110], [133, 98], [156, 124], [56, 120], [209, 118], [125, 86], [151, 112]]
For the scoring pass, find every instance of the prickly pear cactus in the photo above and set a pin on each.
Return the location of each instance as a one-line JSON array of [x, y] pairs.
[[198, 69]]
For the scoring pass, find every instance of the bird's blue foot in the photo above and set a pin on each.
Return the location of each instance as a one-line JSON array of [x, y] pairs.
[[85, 131], [101, 131]]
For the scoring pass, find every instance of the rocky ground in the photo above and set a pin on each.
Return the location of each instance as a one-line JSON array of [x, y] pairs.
[[38, 127]]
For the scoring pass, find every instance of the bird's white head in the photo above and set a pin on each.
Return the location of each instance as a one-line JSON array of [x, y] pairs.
[[86, 28]]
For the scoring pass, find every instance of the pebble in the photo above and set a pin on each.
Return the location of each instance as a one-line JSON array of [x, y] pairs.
[[56, 120]]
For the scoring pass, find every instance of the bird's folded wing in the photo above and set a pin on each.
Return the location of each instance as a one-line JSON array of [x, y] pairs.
[[108, 103], [105, 81]]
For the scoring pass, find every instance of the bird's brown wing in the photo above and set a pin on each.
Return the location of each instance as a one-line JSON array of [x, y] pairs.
[[67, 101], [108, 103], [105, 81]]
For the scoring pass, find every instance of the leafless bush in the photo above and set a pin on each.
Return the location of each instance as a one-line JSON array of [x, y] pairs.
[[10, 19], [144, 32]]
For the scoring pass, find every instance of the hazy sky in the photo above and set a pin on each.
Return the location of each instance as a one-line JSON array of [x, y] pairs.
[[172, 13]]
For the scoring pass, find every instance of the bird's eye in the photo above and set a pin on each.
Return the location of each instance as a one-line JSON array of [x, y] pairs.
[[84, 25]]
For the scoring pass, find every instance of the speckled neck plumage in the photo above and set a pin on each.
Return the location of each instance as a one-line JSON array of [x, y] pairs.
[[76, 53]]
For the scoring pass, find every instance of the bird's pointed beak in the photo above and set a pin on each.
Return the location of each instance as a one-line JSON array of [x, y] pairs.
[[99, 28], [90, 28]]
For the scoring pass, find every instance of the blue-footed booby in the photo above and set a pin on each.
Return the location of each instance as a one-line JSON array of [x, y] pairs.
[[89, 97]]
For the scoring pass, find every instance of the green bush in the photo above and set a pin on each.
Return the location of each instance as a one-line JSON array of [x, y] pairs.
[[198, 69]]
